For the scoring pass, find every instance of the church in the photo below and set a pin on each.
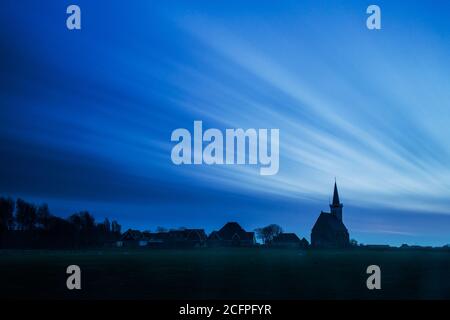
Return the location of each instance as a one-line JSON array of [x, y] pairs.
[[329, 230]]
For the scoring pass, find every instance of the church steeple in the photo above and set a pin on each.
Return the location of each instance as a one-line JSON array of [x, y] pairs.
[[336, 205], [335, 195]]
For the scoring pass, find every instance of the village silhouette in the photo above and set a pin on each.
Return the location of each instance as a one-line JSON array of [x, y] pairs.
[[329, 231], [24, 225]]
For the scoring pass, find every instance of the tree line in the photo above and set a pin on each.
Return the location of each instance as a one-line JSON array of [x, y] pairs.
[[26, 225]]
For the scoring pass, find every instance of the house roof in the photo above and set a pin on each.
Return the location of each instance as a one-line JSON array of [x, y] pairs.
[[200, 233], [230, 231], [177, 235], [328, 222], [214, 236], [131, 235], [160, 235], [286, 237], [304, 241]]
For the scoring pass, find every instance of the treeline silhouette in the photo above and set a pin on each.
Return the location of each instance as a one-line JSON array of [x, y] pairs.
[[25, 225]]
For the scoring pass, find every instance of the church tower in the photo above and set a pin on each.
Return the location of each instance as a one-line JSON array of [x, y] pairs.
[[336, 205]]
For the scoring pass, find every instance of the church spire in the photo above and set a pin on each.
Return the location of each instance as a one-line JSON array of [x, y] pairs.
[[336, 205], [336, 201]]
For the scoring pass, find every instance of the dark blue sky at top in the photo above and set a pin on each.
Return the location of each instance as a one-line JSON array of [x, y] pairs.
[[86, 116]]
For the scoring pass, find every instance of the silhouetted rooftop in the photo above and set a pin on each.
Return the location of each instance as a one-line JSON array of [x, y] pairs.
[[286, 237], [327, 221]]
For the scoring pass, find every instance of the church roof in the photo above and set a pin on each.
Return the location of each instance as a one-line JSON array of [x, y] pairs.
[[336, 201], [328, 222]]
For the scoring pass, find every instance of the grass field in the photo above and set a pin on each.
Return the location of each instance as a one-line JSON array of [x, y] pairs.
[[241, 273]]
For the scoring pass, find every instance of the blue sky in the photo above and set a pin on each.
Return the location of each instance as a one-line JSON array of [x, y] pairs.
[[86, 116]]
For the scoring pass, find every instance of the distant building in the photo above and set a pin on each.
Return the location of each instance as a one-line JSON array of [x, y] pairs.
[[286, 240], [231, 234], [131, 238], [187, 238], [157, 239], [289, 240], [172, 238], [329, 230], [304, 244]]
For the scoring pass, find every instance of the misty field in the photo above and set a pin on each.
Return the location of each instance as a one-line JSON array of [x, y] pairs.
[[240, 273]]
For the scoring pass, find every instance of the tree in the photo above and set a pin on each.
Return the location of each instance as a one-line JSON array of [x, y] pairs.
[[61, 233], [88, 221], [77, 230], [116, 228], [83, 221], [266, 234], [84, 226], [26, 215], [43, 216], [6, 214], [107, 226], [353, 243], [75, 221], [104, 231], [161, 229]]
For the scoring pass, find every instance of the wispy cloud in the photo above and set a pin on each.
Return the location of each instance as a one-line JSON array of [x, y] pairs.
[[376, 164]]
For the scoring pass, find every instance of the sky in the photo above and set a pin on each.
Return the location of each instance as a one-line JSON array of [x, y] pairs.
[[86, 115]]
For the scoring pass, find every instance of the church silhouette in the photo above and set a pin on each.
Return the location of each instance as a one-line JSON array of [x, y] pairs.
[[329, 230]]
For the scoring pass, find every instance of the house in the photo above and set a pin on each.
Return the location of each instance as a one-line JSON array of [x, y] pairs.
[[132, 238], [187, 238], [289, 240], [286, 240], [329, 230], [156, 239], [177, 238], [304, 244], [231, 234]]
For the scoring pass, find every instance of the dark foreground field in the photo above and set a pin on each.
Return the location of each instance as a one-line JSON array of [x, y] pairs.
[[241, 273]]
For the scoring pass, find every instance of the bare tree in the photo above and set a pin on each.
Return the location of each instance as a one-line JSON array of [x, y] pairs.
[[43, 216], [6, 214], [26, 215], [107, 225], [266, 234], [115, 227]]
